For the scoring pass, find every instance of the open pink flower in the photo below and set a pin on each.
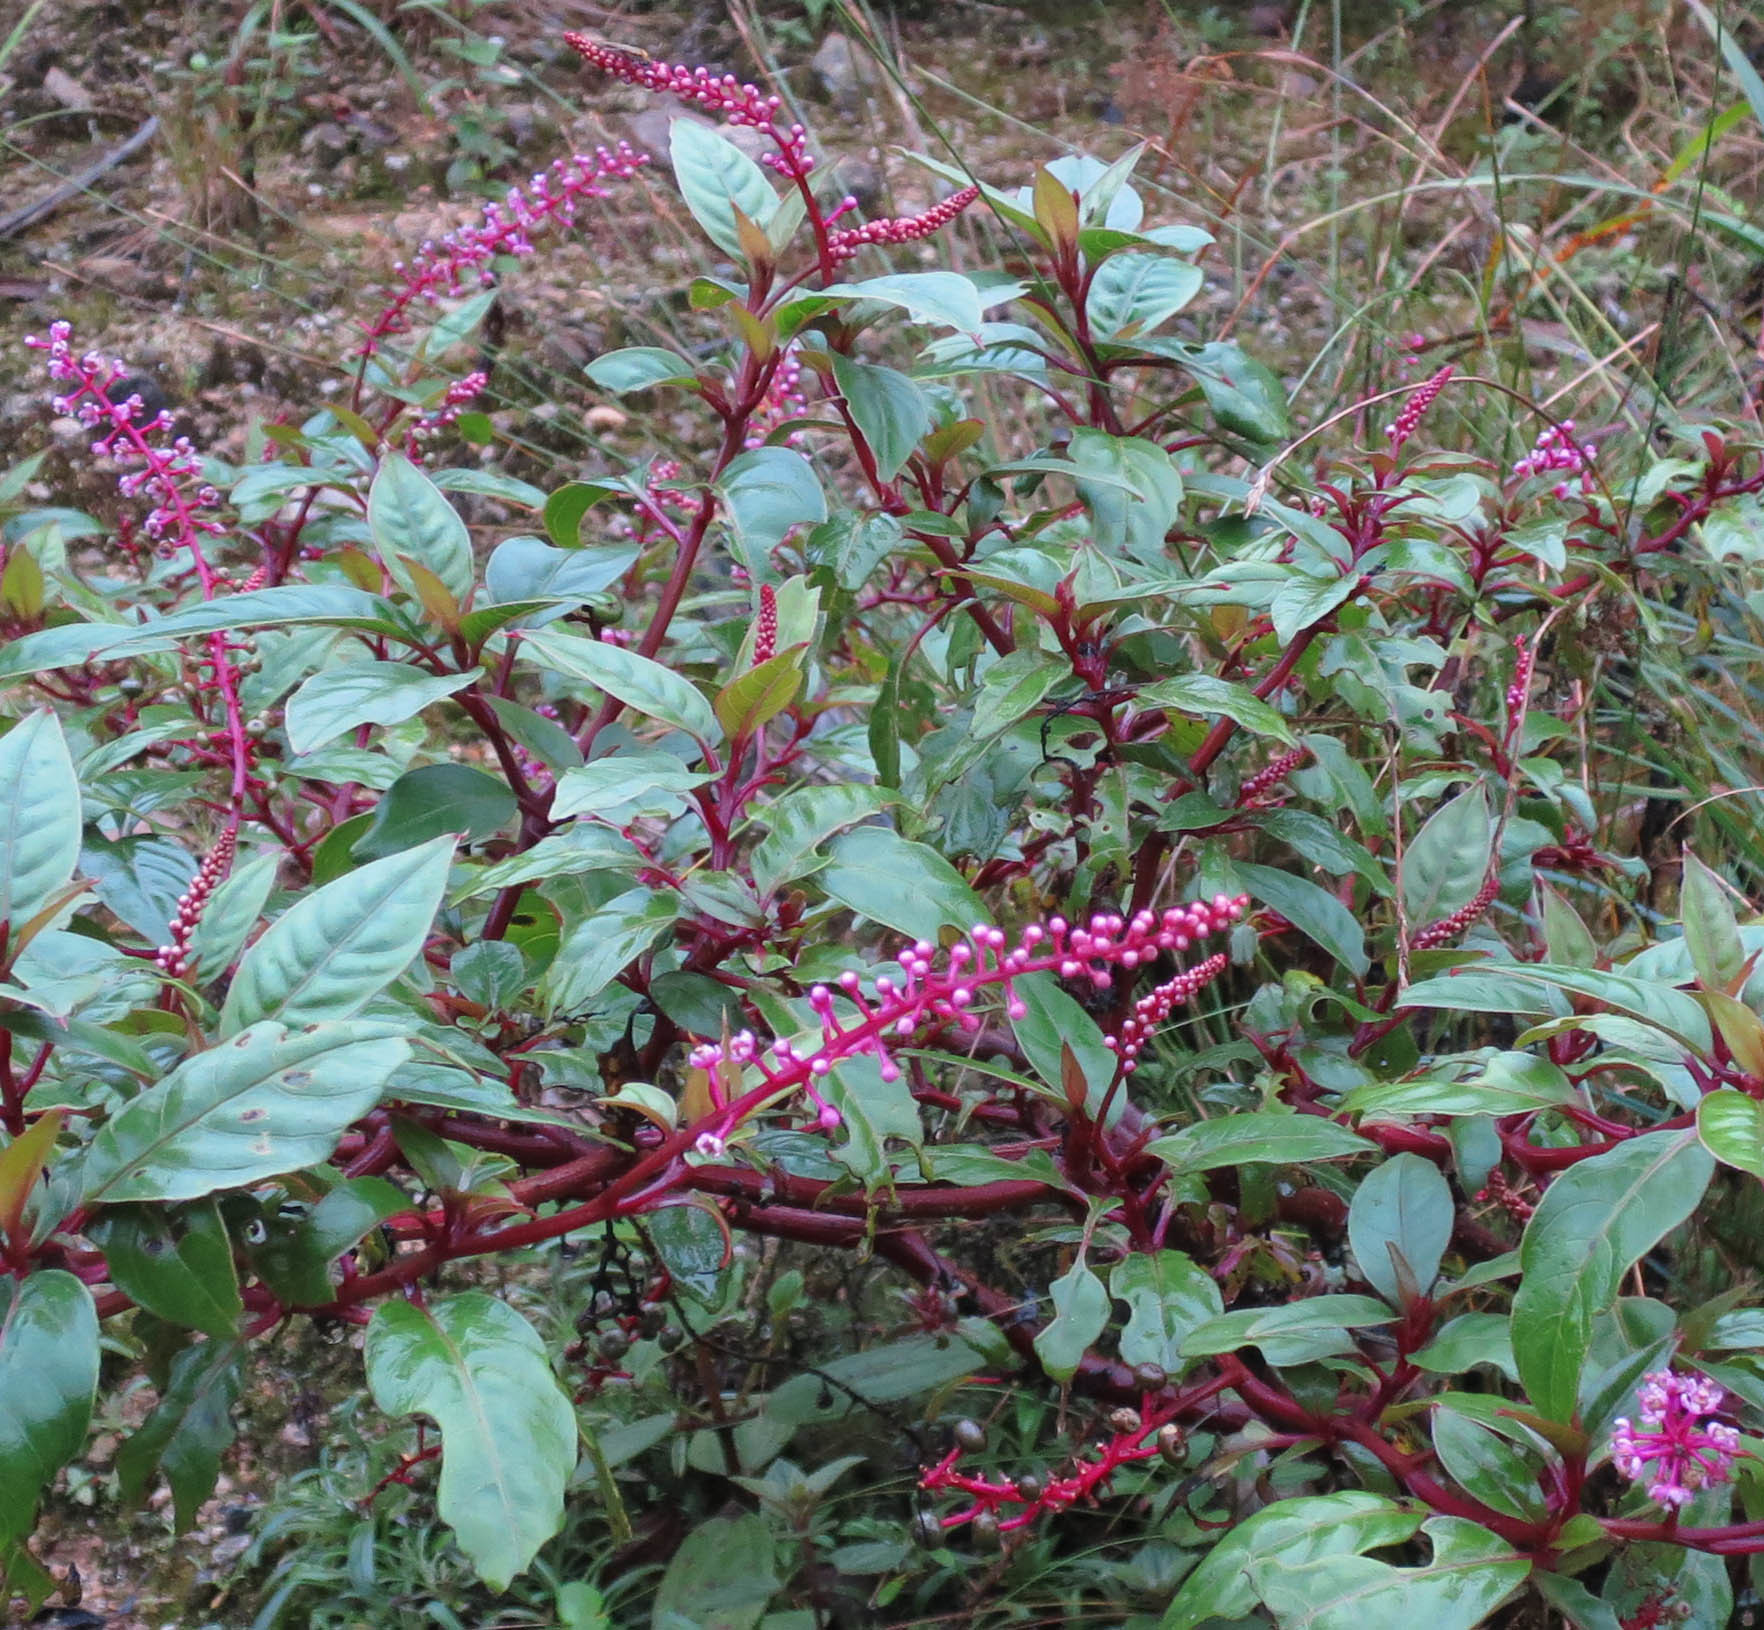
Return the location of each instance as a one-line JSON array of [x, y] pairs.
[[1675, 1446]]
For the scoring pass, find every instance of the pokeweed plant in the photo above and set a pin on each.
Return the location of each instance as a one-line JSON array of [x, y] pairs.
[[998, 788]]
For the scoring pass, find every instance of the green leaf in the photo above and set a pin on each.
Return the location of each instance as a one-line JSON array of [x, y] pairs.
[[435, 802], [1259, 1137], [1448, 861], [906, 886], [641, 684], [334, 951], [720, 1578], [887, 407], [296, 1257], [800, 822], [1488, 1466], [752, 700], [188, 1430], [338, 699], [940, 299], [1471, 1574], [693, 1247], [904, 1369], [269, 1101], [1168, 1297], [1675, 1012], [1207, 693], [524, 568], [1013, 687], [640, 368], [178, 1265], [48, 1379], [716, 178], [1731, 1126], [1710, 928], [1133, 294], [39, 818], [476, 1368], [856, 542], [1246, 399], [1306, 598], [768, 491], [411, 519], [1594, 1221], [1220, 1587], [564, 510], [1294, 1333], [600, 948], [140, 879], [1467, 1341], [1131, 488], [231, 913], [1312, 910], [1081, 1314], [621, 781], [872, 1111], [1403, 1211], [1052, 1025], [1509, 1084]]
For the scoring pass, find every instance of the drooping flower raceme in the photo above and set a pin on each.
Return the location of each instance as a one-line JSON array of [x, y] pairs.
[[739, 103], [1675, 1446]]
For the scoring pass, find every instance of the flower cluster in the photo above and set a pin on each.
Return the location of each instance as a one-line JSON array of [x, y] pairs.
[[1556, 450], [1676, 1447], [784, 400], [1449, 928], [168, 474], [941, 987], [454, 401], [173, 959], [844, 244], [1420, 400], [1156, 1006], [446, 266], [739, 103]]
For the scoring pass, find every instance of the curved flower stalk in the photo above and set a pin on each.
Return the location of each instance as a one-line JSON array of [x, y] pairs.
[[1133, 1436], [165, 469], [449, 265], [941, 987], [739, 103]]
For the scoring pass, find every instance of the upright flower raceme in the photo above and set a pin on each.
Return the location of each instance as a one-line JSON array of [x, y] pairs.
[[164, 469], [174, 957], [1420, 400], [941, 988], [451, 264], [1676, 1447]]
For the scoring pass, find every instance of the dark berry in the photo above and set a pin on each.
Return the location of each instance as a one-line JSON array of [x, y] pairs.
[[969, 1436]]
